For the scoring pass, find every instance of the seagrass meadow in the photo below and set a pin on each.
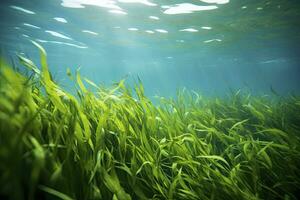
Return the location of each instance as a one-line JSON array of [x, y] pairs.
[[114, 143]]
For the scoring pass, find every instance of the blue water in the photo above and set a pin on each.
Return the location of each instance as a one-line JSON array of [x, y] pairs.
[[210, 46]]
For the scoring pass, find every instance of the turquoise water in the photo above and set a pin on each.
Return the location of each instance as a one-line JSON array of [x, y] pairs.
[[210, 46]]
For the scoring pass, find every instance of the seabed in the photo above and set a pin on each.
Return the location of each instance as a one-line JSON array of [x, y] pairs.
[[115, 143]]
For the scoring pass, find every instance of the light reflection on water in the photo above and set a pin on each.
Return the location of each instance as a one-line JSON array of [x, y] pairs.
[[208, 45]]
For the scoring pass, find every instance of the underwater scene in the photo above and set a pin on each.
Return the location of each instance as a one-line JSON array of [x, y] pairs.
[[149, 99]]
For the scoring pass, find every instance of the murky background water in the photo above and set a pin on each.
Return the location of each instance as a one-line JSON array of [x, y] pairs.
[[205, 45]]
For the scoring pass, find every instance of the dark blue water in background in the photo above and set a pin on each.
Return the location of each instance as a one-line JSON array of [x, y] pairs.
[[208, 46]]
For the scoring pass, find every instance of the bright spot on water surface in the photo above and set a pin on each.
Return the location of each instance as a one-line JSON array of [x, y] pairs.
[[23, 10], [63, 43], [184, 8], [154, 17], [145, 2], [215, 1], [279, 60], [31, 26], [161, 30], [212, 40], [118, 12], [206, 27], [149, 31], [133, 29], [60, 19], [189, 30], [56, 34], [90, 32], [80, 3]]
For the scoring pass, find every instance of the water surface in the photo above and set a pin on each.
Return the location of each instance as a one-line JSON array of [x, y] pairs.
[[210, 45]]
